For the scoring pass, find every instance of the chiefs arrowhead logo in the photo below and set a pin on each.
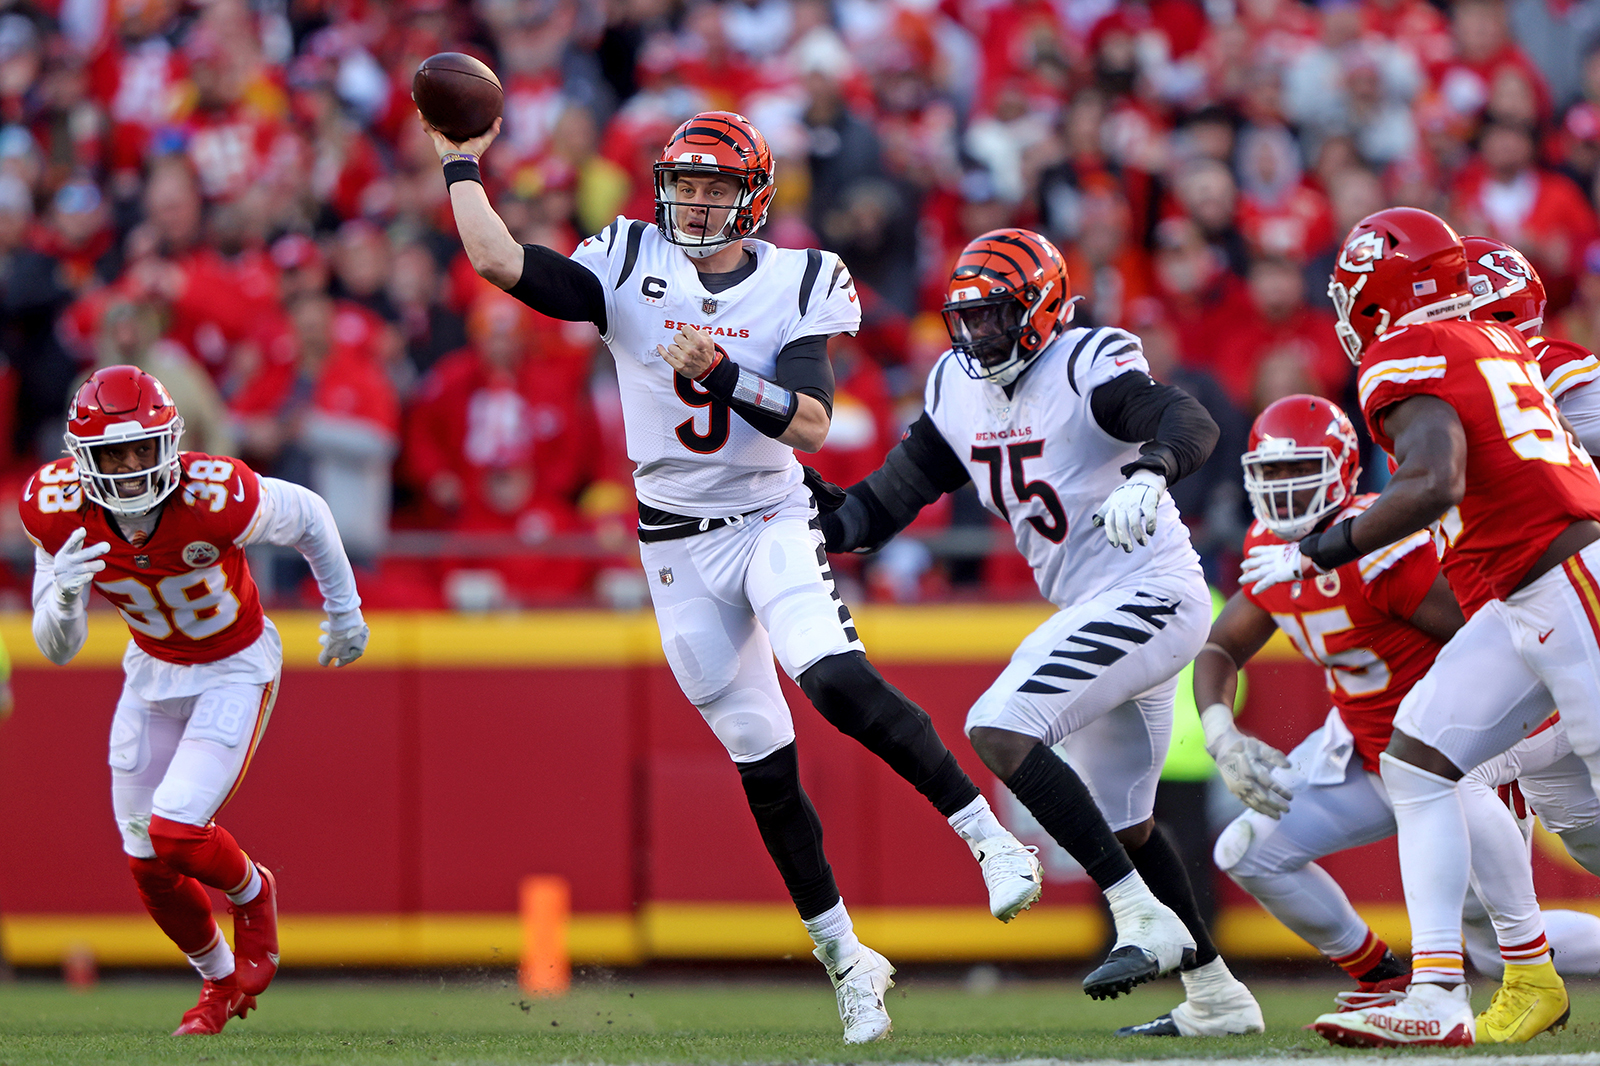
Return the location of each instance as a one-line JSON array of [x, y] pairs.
[[1361, 255]]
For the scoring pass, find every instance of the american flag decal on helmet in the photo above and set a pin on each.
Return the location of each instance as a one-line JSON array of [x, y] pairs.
[[1424, 288]]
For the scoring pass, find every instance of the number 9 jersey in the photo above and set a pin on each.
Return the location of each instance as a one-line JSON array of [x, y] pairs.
[[185, 592]]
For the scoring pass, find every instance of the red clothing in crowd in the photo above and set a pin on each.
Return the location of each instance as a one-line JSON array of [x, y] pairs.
[[1552, 229], [1306, 336]]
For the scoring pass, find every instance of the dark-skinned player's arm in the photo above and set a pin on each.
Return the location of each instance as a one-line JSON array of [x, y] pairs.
[[1431, 449], [1438, 615], [1246, 764]]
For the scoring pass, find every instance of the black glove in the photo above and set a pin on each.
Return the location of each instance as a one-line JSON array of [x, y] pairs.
[[829, 497]]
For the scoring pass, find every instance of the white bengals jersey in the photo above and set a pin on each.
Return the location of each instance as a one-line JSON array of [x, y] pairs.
[[1041, 461], [691, 455]]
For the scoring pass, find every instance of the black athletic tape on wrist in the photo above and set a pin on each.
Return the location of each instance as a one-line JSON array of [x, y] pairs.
[[744, 390], [461, 167], [1331, 548]]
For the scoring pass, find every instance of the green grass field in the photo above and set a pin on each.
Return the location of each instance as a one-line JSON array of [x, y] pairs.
[[485, 1019]]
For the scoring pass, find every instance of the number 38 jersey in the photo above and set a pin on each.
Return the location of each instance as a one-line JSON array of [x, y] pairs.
[[1042, 462], [1352, 623], [1526, 482], [185, 593], [691, 454]]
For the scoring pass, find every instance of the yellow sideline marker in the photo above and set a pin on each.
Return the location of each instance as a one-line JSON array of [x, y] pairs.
[[546, 967]]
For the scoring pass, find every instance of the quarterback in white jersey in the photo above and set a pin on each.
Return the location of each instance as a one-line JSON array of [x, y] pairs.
[[1067, 438], [721, 346]]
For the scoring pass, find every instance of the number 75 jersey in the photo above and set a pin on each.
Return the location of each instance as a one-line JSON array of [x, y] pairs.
[[1526, 480], [1041, 461], [186, 593]]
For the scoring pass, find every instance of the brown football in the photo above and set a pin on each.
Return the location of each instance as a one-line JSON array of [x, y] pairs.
[[458, 95]]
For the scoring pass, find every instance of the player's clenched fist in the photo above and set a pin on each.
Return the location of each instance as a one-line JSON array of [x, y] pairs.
[[1129, 513], [76, 565], [344, 638], [691, 353]]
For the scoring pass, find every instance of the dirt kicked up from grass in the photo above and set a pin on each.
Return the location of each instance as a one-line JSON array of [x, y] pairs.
[[481, 1020]]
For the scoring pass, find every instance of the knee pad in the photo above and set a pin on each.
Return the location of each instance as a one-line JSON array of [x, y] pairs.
[[748, 724], [856, 700], [1584, 847]]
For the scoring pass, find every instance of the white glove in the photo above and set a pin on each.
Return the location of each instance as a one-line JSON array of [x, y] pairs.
[[343, 639], [1246, 764], [1129, 513], [1273, 564], [75, 565]]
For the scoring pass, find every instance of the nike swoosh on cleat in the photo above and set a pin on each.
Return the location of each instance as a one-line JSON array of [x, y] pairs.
[[769, 517], [1545, 635], [842, 974]]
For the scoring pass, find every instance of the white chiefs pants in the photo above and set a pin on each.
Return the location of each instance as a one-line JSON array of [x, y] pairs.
[[1511, 665], [1098, 680], [730, 599]]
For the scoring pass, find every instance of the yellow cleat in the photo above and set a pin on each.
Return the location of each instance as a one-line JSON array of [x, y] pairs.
[[1532, 1000]]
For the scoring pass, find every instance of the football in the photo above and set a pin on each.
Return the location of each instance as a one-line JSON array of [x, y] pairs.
[[458, 95]]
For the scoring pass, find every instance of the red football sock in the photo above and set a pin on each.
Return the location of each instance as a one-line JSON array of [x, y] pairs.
[[178, 904], [206, 853], [1364, 958]]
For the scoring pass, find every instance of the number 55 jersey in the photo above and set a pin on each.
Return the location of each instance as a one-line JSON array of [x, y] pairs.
[[1041, 461], [1526, 480]]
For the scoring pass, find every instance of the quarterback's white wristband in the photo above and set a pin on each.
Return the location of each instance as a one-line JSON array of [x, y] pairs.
[[1217, 721]]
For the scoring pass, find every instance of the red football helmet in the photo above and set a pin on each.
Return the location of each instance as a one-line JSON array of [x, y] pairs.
[[1398, 267], [118, 405], [716, 142], [1009, 296], [1505, 287], [1298, 429]]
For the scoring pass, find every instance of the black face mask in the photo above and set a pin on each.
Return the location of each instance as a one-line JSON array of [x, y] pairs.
[[985, 332]]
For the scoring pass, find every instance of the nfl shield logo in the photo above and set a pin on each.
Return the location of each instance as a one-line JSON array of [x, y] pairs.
[[708, 305], [142, 562], [665, 574]]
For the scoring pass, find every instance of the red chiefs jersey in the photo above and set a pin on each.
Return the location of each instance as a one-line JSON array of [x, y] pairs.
[[1563, 364], [1526, 482], [186, 593], [1352, 623]]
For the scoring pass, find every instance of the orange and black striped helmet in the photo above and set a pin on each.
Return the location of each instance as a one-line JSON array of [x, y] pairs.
[[1009, 297], [715, 142]]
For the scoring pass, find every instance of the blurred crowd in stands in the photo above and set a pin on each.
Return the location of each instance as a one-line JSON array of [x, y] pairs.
[[237, 196]]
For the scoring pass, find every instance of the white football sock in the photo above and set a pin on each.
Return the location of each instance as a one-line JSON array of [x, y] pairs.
[[834, 934], [1128, 897], [1502, 875], [1435, 859], [250, 889], [1311, 903], [216, 961], [976, 823]]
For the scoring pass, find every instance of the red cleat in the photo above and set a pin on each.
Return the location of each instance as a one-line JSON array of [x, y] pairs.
[[1385, 993], [255, 937], [219, 1001]]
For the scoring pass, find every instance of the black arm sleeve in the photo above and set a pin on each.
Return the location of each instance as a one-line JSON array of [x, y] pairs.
[[803, 366], [1177, 434], [917, 471], [554, 285]]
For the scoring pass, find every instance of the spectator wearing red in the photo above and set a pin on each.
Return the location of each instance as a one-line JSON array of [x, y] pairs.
[[1484, 51], [862, 430], [1200, 294], [1281, 341], [1415, 25], [331, 419], [1107, 268], [502, 439], [139, 78], [1506, 194], [80, 237], [1280, 212], [235, 134]]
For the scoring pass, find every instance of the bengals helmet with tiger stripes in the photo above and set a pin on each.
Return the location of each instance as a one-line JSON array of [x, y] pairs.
[[715, 143], [1009, 297]]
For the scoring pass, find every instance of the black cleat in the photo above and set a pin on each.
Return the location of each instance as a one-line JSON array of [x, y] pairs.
[[1162, 1026], [1125, 968]]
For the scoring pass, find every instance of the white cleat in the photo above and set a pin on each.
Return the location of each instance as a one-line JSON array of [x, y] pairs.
[[1429, 1015], [860, 983], [1012, 874], [1216, 1004], [1150, 942]]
